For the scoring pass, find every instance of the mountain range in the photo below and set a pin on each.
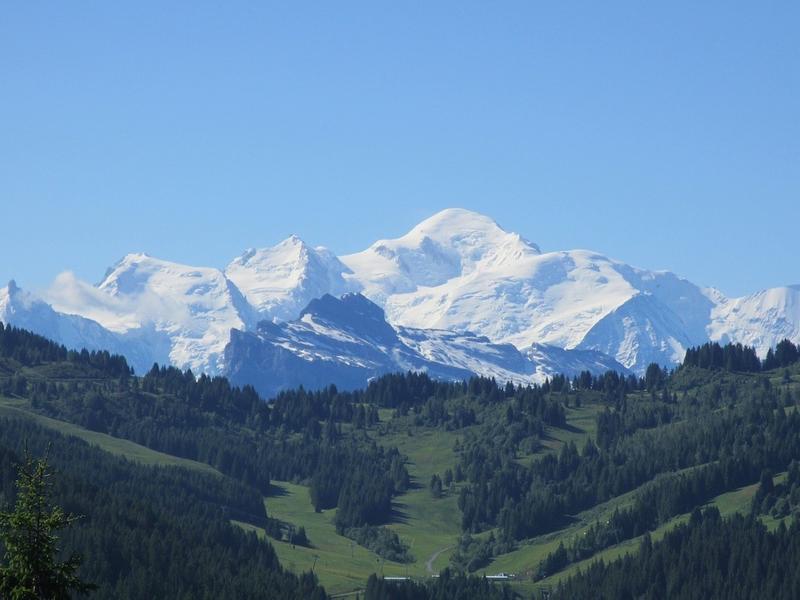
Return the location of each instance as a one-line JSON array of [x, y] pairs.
[[456, 295], [348, 341]]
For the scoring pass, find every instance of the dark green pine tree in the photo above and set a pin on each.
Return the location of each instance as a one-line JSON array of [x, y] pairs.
[[436, 486], [30, 570], [448, 478]]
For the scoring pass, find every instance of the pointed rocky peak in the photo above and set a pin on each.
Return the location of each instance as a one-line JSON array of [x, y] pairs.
[[346, 308], [353, 313], [6, 293], [13, 297], [290, 259], [280, 280], [291, 250]]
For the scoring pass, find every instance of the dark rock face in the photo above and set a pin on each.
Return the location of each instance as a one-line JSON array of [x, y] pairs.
[[347, 341], [343, 341]]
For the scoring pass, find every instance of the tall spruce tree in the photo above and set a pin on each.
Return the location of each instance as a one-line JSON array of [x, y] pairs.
[[30, 568]]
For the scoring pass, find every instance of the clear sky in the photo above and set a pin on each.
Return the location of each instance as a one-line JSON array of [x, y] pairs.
[[663, 134]]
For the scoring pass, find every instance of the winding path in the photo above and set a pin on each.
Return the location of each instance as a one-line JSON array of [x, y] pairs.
[[434, 556]]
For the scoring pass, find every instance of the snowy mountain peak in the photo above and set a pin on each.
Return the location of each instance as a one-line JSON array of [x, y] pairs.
[[760, 320], [8, 294], [292, 250], [20, 308], [16, 302], [780, 297], [280, 281], [452, 243], [458, 225], [475, 237], [195, 306], [135, 273]]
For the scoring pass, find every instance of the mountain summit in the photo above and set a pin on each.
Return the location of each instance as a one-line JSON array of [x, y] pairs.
[[450, 244], [193, 307], [459, 270], [280, 281]]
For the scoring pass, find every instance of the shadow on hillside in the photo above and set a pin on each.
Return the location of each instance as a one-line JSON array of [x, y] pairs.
[[277, 491], [569, 428], [398, 514], [572, 428], [413, 484], [562, 523]]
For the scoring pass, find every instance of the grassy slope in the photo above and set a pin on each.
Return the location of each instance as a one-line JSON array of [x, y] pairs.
[[736, 501], [20, 409], [433, 525], [428, 525], [340, 565], [525, 559], [582, 424]]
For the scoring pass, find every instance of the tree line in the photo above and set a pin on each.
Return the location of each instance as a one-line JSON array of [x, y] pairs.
[[737, 357]]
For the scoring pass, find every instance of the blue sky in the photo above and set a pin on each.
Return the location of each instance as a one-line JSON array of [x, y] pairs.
[[666, 136]]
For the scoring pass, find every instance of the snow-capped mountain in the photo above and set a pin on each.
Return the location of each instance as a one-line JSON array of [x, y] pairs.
[[760, 320], [194, 307], [280, 281], [451, 244], [461, 271], [505, 362], [22, 309], [347, 341], [454, 273]]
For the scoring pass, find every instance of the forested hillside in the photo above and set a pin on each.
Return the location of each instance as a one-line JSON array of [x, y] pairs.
[[709, 557], [153, 532], [548, 485]]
